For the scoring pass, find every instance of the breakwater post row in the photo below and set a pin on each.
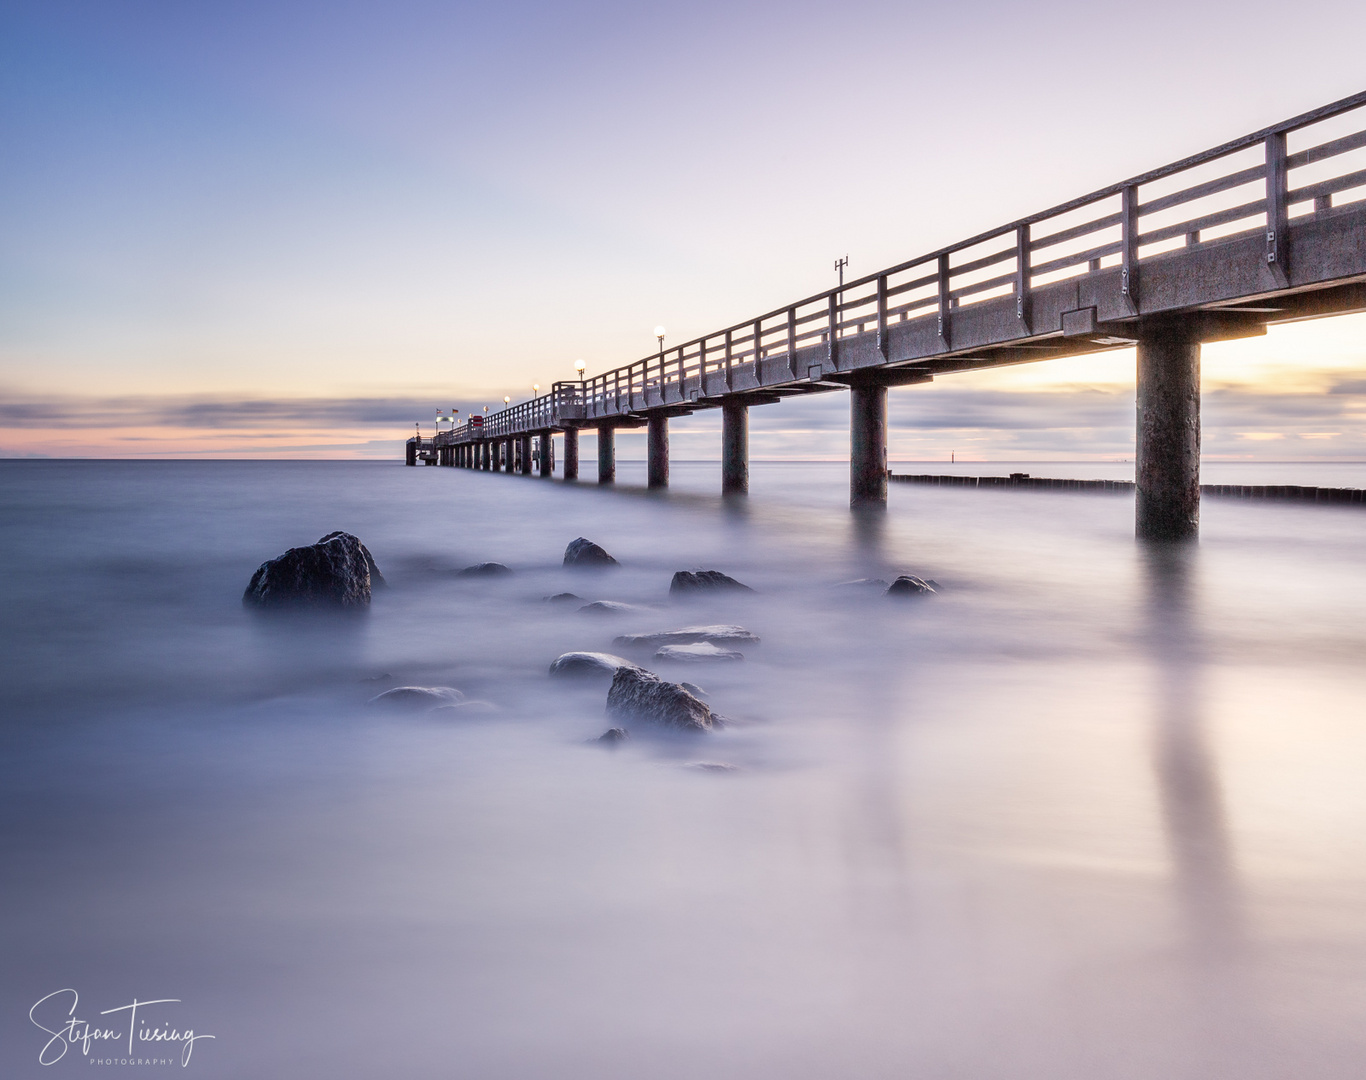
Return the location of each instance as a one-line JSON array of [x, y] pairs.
[[1214, 247], [1275, 492]]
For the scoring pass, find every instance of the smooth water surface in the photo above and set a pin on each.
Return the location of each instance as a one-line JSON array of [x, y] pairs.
[[1092, 811]]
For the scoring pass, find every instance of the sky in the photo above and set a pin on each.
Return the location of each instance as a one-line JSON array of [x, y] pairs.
[[294, 229]]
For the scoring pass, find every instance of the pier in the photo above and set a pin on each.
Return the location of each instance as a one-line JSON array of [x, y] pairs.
[[1266, 229]]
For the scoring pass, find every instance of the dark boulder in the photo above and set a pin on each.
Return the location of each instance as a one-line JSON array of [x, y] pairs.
[[376, 578], [690, 582], [583, 552], [588, 665], [564, 598], [640, 695], [909, 585], [336, 572], [613, 736], [485, 569]]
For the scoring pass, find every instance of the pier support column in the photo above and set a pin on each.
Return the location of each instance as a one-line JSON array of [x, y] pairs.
[[657, 466], [867, 445], [410, 454], [543, 449], [509, 455], [734, 449], [607, 455], [525, 449], [571, 453], [1167, 457]]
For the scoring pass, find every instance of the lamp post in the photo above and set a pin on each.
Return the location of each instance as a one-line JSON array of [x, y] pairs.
[[659, 336]]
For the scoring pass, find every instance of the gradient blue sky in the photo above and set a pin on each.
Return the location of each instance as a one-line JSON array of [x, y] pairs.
[[298, 227]]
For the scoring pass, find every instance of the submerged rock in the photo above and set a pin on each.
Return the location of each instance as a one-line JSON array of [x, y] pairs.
[[611, 607], [338, 571], [589, 665], [698, 652], [641, 695], [564, 598], [909, 585], [718, 634], [710, 766], [464, 708], [688, 582], [485, 569], [583, 552], [864, 583], [613, 736], [693, 688], [418, 697]]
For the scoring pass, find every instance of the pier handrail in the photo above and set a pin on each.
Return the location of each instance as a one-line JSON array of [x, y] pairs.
[[1209, 208]]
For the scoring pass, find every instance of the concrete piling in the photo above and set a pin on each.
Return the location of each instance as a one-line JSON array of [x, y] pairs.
[[867, 445], [607, 455], [543, 449], [734, 448], [1167, 459], [657, 467], [571, 453]]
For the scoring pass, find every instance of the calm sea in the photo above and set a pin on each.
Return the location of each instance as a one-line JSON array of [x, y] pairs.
[[1093, 811]]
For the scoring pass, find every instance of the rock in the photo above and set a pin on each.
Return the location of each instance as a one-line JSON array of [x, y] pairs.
[[376, 678], [688, 582], [908, 585], [418, 697], [864, 583], [589, 665], [613, 736], [718, 635], [698, 652], [611, 607], [710, 766], [583, 552], [564, 598], [337, 572], [641, 695], [485, 569], [376, 578], [464, 708], [693, 689]]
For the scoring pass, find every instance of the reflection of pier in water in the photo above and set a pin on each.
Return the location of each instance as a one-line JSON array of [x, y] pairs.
[[1268, 228]]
